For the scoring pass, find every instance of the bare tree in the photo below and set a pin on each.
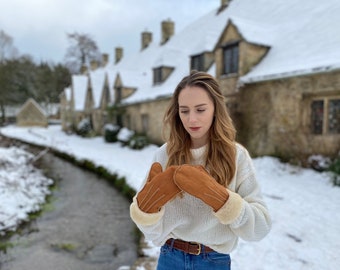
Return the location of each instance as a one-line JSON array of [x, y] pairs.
[[7, 49], [82, 50]]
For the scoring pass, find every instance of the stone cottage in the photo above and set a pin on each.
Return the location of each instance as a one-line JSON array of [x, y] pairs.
[[277, 62], [31, 114], [88, 97]]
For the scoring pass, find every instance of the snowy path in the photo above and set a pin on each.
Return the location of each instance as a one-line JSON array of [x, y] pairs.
[[86, 226]]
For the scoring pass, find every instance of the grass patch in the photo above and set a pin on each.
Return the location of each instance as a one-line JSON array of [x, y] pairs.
[[69, 247], [4, 245]]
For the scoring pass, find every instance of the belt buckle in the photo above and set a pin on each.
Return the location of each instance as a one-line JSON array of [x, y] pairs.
[[199, 249]]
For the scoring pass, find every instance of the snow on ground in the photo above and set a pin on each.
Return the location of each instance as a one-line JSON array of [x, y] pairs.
[[23, 188], [303, 203]]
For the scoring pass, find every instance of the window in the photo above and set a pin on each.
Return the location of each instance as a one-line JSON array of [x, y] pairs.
[[317, 116], [118, 94], [145, 123], [157, 75], [160, 74], [334, 116], [325, 116], [128, 121], [197, 62], [230, 59]]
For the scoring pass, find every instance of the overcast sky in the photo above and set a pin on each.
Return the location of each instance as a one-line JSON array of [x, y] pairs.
[[40, 27]]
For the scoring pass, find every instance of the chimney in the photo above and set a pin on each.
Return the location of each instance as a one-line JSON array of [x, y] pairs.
[[94, 64], [146, 39], [168, 30], [119, 54], [83, 70], [105, 59], [224, 4]]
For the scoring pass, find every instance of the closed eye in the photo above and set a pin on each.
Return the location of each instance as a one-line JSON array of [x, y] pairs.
[[184, 112]]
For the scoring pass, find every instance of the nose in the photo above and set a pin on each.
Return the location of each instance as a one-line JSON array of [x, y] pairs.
[[192, 117]]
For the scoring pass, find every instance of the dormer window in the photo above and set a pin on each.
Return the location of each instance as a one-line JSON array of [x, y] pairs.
[[197, 62], [202, 62], [160, 74], [157, 75], [230, 58]]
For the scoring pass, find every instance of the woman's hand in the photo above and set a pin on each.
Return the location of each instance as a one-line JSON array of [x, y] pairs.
[[196, 181], [158, 189]]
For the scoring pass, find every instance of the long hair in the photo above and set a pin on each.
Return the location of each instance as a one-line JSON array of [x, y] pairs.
[[221, 149]]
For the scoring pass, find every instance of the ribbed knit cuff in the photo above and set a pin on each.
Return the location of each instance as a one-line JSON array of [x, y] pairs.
[[231, 210], [142, 218]]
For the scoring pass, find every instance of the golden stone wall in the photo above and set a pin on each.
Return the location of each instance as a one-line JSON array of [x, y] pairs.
[[30, 115], [155, 111], [276, 116]]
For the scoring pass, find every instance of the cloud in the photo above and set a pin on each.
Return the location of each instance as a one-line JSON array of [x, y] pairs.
[[40, 27]]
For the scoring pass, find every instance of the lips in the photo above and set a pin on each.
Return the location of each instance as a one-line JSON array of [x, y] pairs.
[[194, 128]]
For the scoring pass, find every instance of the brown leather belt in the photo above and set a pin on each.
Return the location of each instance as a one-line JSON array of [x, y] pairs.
[[188, 247]]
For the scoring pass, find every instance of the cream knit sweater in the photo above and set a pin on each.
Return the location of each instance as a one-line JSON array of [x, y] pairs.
[[244, 215]]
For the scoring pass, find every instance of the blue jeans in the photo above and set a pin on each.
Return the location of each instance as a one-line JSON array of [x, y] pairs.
[[174, 259]]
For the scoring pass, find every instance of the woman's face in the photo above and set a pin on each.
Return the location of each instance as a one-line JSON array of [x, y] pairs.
[[196, 111]]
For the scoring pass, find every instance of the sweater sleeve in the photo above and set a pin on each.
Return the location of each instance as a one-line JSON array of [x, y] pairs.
[[149, 223], [141, 218], [245, 211]]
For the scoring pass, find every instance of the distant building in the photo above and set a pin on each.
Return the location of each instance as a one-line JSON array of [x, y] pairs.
[[31, 114], [277, 62]]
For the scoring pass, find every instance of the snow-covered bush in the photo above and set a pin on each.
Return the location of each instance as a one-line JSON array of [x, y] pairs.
[[138, 141], [124, 135], [335, 169], [131, 139], [319, 162], [84, 127], [111, 132]]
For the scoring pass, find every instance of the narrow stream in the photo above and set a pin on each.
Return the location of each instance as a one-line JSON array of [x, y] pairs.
[[85, 227]]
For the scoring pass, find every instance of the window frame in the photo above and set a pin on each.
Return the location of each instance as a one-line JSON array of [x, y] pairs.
[[145, 120], [326, 113], [158, 75], [197, 62], [232, 51]]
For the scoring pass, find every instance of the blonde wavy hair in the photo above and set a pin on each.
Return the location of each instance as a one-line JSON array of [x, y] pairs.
[[221, 149]]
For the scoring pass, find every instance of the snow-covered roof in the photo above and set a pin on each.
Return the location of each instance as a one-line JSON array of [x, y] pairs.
[[175, 53], [97, 83], [135, 78], [302, 37], [68, 94], [79, 84]]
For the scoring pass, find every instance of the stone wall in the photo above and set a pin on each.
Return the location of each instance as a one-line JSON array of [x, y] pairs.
[[276, 116], [154, 112], [272, 117]]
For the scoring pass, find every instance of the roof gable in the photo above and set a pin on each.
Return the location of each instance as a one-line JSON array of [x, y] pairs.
[[29, 105]]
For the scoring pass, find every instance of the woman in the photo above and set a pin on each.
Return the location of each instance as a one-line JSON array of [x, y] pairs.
[[201, 194]]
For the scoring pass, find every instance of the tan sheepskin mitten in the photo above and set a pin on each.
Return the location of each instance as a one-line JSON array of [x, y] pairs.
[[196, 181], [158, 189]]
